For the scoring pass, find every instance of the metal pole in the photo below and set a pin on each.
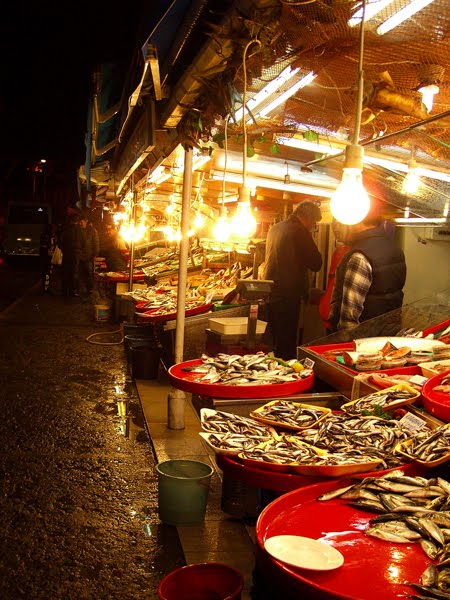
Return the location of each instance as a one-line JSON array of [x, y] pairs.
[[176, 399], [133, 223]]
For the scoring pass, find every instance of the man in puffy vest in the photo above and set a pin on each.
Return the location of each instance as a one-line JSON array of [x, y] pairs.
[[371, 276]]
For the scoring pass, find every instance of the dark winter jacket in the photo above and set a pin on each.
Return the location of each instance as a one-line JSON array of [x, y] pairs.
[[290, 252], [388, 272]]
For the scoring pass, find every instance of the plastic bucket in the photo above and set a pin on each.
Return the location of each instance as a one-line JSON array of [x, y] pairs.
[[183, 487], [144, 360], [203, 581], [102, 312]]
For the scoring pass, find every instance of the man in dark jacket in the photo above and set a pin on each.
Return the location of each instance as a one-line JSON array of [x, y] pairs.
[[89, 246], [290, 252], [371, 276]]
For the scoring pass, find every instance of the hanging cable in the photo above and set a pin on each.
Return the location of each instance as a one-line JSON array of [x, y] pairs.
[[244, 102]]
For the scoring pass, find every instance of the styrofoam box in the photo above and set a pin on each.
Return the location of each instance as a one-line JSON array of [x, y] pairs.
[[428, 369], [234, 325], [122, 287]]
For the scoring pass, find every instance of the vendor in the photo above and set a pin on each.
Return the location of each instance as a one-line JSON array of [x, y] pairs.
[[113, 249], [371, 276]]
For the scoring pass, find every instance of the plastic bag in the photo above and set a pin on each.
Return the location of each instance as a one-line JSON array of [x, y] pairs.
[[57, 256]]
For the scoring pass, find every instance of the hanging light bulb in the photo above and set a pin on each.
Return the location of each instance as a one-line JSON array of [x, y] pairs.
[[132, 232], [199, 221], [222, 230], [411, 182], [428, 92], [350, 202], [243, 224]]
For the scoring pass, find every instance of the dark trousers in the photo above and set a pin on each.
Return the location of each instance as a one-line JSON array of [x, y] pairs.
[[86, 275], [283, 325], [69, 275]]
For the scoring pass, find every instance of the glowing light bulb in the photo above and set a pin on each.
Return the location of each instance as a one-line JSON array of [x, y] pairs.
[[243, 224], [350, 202], [411, 182], [132, 232], [199, 221], [222, 229], [428, 92]]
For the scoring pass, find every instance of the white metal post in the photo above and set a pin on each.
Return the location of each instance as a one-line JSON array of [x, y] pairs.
[[176, 398]]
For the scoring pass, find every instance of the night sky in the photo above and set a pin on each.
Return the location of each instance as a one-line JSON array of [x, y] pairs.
[[48, 50]]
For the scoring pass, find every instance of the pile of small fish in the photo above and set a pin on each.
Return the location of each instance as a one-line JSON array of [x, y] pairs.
[[444, 386], [283, 451], [234, 442], [428, 445], [285, 412], [411, 509], [250, 369], [378, 399], [370, 436], [236, 427]]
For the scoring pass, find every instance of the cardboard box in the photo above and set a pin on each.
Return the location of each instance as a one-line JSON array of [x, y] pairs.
[[234, 326]]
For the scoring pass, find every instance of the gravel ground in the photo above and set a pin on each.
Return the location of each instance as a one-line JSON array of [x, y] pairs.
[[78, 489]]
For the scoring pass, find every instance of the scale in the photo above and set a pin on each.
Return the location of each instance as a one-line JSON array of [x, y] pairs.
[[255, 291]]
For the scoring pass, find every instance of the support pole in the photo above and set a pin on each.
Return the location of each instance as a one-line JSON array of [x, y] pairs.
[[176, 399]]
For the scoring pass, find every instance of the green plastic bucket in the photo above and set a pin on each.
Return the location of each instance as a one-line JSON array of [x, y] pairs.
[[183, 487], [202, 581]]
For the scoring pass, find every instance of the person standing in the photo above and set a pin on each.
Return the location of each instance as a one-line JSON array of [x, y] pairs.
[[371, 276], [70, 246], [290, 252], [89, 247], [46, 247]]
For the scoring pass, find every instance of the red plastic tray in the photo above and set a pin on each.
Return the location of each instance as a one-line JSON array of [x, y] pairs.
[[283, 482], [429, 392], [437, 327], [372, 568], [349, 346], [188, 382], [149, 316]]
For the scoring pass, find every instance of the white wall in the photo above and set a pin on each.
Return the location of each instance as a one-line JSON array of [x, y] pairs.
[[428, 264]]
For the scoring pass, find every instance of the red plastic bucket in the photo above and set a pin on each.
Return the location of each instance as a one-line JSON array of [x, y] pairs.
[[202, 581]]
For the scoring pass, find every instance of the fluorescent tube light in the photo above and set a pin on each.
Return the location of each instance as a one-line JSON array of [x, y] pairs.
[[402, 15], [301, 83], [419, 220], [372, 9], [267, 90], [392, 165]]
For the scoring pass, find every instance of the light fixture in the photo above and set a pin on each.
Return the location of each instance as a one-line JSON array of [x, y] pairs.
[[371, 10], [287, 177], [303, 82], [411, 182], [420, 220], [243, 224], [429, 76], [350, 202], [406, 12], [222, 230], [272, 87]]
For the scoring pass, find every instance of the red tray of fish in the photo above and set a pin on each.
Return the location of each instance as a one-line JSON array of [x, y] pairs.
[[332, 351], [189, 381], [153, 316], [372, 568]]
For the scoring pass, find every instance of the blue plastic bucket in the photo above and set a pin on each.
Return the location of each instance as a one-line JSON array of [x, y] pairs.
[[203, 581], [183, 488]]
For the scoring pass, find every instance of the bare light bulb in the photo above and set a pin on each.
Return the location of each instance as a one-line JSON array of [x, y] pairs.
[[428, 92], [199, 221], [243, 224], [222, 229], [350, 202]]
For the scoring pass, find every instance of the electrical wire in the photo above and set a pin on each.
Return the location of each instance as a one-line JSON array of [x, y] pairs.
[[89, 338], [244, 105]]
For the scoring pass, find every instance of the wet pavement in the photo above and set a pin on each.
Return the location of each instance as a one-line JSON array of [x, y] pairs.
[[78, 492]]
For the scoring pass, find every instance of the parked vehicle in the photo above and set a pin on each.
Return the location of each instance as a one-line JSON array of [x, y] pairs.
[[24, 224]]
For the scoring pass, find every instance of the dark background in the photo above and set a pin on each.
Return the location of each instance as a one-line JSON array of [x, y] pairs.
[[48, 52]]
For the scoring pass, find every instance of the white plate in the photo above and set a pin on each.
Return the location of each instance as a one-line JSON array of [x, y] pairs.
[[304, 552], [375, 344]]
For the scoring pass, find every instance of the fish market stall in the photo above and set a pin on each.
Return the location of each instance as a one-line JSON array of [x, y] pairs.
[[335, 357], [376, 538]]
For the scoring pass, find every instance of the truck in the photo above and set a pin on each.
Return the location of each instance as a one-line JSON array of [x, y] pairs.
[[24, 224]]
